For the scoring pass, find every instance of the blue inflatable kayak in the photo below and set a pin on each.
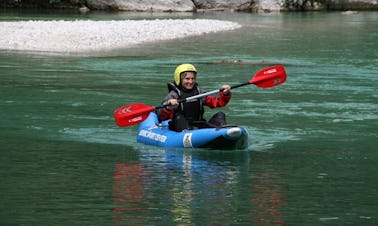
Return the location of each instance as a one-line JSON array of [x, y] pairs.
[[152, 132]]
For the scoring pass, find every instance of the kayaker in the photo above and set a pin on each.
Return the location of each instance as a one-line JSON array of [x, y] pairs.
[[189, 115]]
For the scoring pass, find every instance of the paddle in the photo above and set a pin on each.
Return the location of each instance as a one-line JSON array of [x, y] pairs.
[[136, 113]]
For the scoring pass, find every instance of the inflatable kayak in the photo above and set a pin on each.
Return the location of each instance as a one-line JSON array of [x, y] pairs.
[[151, 132]]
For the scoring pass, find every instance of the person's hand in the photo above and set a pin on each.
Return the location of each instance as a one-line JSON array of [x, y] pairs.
[[226, 89], [173, 103]]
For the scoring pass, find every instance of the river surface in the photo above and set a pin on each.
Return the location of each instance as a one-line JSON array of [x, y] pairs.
[[312, 157]]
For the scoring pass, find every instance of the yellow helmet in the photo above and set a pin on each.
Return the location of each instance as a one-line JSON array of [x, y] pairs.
[[183, 68]]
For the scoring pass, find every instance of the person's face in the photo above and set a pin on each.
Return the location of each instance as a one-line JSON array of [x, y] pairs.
[[189, 80]]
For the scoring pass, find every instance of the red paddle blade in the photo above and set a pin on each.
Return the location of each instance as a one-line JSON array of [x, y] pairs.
[[269, 77], [132, 114]]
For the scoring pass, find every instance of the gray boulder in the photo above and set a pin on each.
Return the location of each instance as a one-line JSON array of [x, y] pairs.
[[145, 5], [240, 5]]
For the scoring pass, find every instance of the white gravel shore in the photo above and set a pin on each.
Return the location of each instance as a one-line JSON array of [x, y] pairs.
[[86, 36]]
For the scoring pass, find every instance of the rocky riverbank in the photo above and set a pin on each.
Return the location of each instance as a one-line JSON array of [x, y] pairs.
[[87, 36], [198, 5]]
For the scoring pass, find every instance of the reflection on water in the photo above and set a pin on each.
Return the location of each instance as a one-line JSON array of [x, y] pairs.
[[183, 194], [269, 200], [195, 190], [129, 194]]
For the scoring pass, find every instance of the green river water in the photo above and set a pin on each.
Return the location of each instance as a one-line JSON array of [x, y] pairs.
[[312, 157]]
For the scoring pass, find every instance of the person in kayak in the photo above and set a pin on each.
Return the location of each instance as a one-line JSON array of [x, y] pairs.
[[189, 115]]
